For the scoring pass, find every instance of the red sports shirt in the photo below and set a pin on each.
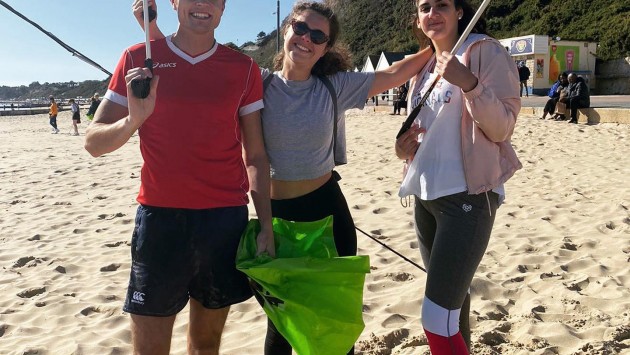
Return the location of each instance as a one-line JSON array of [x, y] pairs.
[[191, 144]]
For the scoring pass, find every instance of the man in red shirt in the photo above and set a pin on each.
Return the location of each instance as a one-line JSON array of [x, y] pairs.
[[202, 146]]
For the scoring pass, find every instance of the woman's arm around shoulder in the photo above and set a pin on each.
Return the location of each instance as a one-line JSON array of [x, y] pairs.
[[399, 72]]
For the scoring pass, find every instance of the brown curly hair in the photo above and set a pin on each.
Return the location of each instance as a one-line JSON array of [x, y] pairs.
[[337, 58]]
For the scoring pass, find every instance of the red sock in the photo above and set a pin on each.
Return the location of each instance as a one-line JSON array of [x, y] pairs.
[[439, 345]]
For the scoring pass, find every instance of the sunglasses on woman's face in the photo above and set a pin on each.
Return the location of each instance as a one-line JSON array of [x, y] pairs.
[[300, 28]]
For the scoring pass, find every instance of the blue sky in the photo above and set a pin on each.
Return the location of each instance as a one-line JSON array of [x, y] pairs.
[[101, 30]]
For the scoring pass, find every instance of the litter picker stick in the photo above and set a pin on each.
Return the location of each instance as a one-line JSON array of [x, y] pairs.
[[409, 121], [142, 87]]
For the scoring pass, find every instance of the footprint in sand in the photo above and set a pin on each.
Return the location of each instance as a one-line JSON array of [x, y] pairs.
[[395, 338], [399, 276], [380, 210], [492, 338], [3, 329], [110, 267], [569, 246], [62, 204], [577, 285], [620, 333], [32, 292], [394, 320], [89, 310], [607, 227], [495, 315], [23, 261], [60, 269], [111, 216], [114, 245], [548, 275], [29, 261], [35, 237]]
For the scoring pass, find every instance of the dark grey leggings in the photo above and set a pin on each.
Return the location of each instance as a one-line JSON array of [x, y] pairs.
[[453, 232]]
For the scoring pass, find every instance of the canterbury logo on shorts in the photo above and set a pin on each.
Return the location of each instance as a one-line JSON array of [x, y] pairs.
[[137, 297]]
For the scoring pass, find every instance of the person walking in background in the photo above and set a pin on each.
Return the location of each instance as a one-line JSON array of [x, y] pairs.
[[76, 115], [577, 96], [195, 177], [52, 115], [94, 102], [523, 77], [459, 166], [304, 186], [524, 74]]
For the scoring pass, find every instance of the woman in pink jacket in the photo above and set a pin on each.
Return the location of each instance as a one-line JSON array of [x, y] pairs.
[[460, 156]]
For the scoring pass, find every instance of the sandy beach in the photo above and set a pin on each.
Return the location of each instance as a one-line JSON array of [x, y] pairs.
[[555, 278]]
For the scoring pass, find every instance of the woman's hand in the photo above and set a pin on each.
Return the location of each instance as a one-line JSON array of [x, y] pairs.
[[453, 71], [407, 145], [265, 243]]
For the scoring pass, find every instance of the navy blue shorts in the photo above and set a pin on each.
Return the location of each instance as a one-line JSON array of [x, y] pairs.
[[181, 253]]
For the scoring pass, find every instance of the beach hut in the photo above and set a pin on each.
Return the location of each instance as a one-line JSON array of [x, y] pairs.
[[385, 60], [370, 63]]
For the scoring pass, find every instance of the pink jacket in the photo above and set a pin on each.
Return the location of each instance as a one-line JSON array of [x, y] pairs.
[[489, 116]]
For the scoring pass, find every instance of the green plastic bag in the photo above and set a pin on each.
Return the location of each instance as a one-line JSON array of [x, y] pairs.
[[312, 296]]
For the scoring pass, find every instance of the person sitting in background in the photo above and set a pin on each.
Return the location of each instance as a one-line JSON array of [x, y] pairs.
[[577, 96], [554, 94], [401, 101]]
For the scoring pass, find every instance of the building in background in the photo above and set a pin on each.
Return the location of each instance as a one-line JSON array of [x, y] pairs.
[[547, 57]]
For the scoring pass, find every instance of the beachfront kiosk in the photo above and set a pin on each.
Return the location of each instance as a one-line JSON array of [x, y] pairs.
[[547, 57]]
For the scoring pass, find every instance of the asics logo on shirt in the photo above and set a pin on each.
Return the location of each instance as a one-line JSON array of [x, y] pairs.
[[164, 65]]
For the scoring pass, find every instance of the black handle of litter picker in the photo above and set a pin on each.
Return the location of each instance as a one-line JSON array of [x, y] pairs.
[[152, 14], [142, 87]]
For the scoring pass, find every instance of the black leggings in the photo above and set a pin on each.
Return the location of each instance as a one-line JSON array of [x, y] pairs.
[[550, 106], [325, 201]]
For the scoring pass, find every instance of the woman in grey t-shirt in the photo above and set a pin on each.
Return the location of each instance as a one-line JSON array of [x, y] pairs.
[[298, 125]]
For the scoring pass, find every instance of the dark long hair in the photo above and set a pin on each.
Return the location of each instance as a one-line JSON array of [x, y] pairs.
[[337, 58], [468, 14]]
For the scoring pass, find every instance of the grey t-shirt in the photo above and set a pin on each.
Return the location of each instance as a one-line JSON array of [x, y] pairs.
[[298, 122]]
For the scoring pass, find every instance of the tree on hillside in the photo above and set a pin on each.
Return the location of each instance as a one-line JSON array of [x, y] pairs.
[[261, 37]]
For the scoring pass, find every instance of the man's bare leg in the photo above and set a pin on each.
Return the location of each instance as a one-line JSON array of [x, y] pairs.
[[151, 335], [205, 328]]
